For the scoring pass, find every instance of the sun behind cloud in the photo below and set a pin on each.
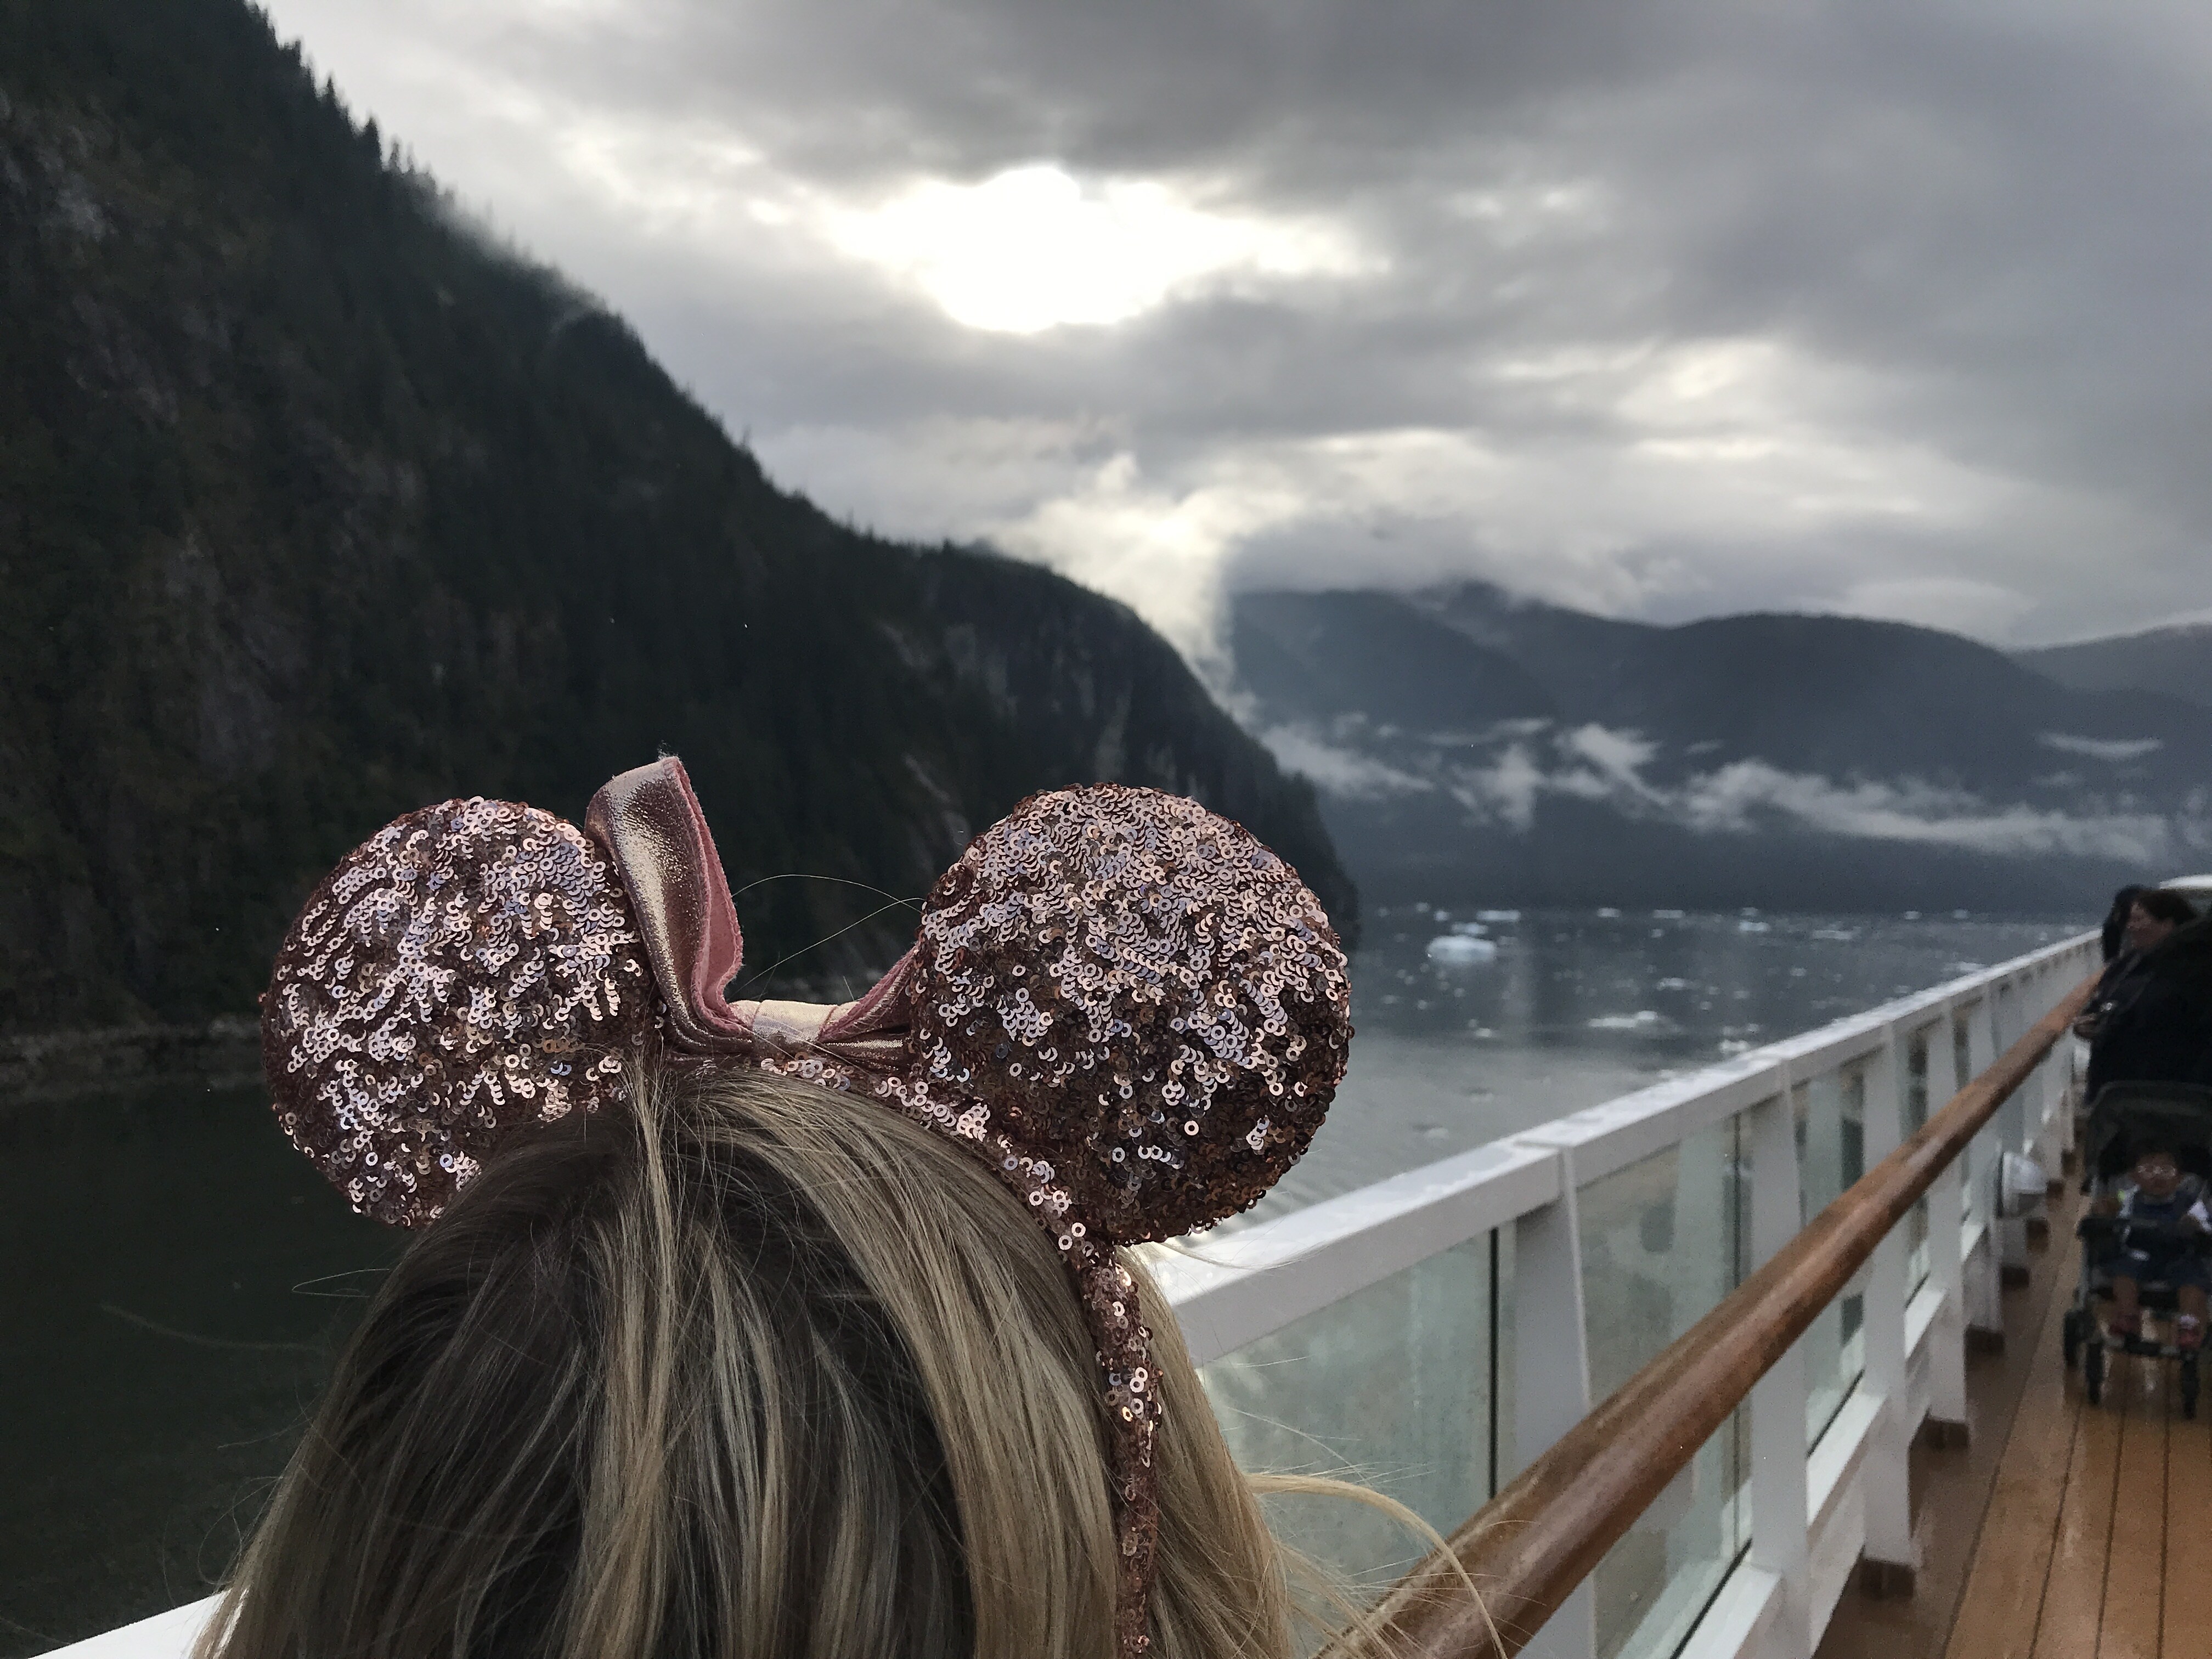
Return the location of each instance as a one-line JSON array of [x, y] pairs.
[[1035, 248]]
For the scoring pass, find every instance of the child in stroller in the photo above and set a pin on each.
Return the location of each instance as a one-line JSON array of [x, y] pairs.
[[2159, 1207], [2144, 1239]]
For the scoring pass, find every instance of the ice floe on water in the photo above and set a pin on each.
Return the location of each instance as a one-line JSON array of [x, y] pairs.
[[1646, 1022], [1458, 950], [1753, 924]]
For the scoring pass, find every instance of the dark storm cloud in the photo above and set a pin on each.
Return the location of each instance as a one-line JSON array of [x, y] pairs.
[[1666, 308]]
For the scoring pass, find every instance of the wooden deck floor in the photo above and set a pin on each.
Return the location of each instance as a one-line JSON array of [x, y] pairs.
[[2087, 1532]]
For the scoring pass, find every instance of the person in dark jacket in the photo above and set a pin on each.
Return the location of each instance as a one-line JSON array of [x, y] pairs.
[[2150, 1019], [2116, 919]]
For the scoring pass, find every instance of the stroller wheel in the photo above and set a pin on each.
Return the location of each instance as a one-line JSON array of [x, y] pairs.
[[2071, 1338], [2189, 1385], [2092, 1372]]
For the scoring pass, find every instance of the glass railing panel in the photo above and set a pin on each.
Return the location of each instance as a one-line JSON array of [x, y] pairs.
[[1831, 1117], [1980, 1157], [1680, 1565], [1392, 1388], [1662, 1242]]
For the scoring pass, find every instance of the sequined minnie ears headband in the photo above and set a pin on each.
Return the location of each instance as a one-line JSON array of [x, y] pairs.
[[1127, 1006]]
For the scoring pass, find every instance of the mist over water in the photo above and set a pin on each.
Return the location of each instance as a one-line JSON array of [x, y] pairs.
[[180, 1279]]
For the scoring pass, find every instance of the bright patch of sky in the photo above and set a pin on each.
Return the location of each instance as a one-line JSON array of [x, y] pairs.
[[1034, 248]]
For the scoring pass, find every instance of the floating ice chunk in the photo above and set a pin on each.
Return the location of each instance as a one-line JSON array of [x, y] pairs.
[[1497, 916], [1842, 935], [1968, 967], [1673, 985], [1649, 1021], [1667, 916], [1608, 913], [1733, 1046], [1461, 950], [1470, 929], [1750, 925]]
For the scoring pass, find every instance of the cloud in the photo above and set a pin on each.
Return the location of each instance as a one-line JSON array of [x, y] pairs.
[[1600, 765], [2103, 749], [1886, 309], [1739, 797], [1341, 771]]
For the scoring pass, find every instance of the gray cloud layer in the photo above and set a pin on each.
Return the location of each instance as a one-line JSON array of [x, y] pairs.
[[1667, 309]]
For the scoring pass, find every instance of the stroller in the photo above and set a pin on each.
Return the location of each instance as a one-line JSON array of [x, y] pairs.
[[2122, 1116]]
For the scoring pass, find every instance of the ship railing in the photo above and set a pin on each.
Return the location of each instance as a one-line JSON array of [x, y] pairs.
[[1770, 1272], [1444, 1334]]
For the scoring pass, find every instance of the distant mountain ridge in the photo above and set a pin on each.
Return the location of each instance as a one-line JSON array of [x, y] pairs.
[[2175, 660], [314, 508], [1472, 744]]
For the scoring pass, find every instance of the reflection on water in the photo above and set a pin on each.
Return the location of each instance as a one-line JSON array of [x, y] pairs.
[[178, 1276]]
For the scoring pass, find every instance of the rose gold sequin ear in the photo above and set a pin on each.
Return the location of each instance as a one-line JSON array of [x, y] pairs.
[[1138, 992], [471, 968]]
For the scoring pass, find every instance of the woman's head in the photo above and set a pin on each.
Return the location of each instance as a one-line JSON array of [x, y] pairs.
[[754, 1368], [2154, 913]]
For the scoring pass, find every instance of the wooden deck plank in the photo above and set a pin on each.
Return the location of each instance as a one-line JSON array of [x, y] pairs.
[[2185, 1624], [2134, 1593], [2074, 1593], [1999, 1609]]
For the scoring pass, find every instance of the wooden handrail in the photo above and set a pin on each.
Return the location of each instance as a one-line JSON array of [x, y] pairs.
[[1530, 1545]]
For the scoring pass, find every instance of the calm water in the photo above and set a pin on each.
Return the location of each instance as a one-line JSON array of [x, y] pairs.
[[1576, 1007], [178, 1276]]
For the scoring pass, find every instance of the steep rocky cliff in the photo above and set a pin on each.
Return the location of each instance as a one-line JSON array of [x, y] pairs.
[[315, 505]]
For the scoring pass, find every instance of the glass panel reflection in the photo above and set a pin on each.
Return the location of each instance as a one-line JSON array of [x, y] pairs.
[[1392, 1388], [1662, 1242], [1830, 1118]]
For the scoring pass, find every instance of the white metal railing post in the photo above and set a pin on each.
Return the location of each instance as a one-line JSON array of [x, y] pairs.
[[1947, 1357], [1778, 1521], [1979, 1272], [1888, 1461], [1551, 1373]]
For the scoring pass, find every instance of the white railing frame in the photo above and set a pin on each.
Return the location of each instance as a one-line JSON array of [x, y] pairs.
[[1814, 1515]]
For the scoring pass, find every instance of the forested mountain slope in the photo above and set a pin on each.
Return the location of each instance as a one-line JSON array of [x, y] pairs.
[[314, 506]]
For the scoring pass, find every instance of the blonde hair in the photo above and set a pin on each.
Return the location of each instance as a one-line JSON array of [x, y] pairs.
[[756, 1369]]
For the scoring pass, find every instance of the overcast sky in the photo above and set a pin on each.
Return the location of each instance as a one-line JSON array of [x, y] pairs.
[[1663, 309]]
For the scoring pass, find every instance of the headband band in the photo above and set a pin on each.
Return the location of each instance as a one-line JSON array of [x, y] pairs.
[[1128, 1007]]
